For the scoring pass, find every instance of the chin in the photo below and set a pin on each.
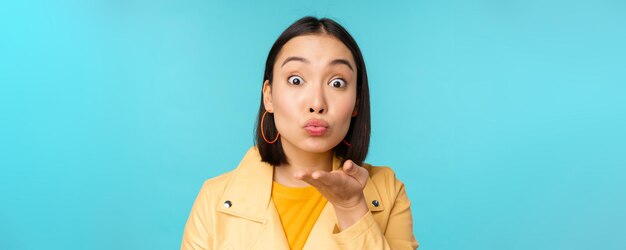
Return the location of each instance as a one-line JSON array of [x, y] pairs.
[[316, 146], [317, 150]]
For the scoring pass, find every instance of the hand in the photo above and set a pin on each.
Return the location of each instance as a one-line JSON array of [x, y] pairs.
[[343, 188]]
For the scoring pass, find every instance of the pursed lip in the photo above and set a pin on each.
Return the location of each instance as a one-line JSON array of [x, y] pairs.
[[316, 127], [316, 123]]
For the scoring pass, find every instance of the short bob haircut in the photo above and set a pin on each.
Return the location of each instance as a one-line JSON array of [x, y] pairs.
[[359, 133]]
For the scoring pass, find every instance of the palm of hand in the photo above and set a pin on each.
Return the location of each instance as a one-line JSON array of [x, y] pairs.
[[342, 187]]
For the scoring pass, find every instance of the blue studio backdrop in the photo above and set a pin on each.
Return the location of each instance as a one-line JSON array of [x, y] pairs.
[[505, 119]]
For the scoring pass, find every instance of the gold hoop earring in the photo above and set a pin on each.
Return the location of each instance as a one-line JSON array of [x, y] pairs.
[[263, 133]]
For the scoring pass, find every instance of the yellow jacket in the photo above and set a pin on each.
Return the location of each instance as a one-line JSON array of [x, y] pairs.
[[235, 211]]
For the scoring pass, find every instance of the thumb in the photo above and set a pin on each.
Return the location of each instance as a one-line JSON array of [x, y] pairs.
[[350, 168], [358, 173]]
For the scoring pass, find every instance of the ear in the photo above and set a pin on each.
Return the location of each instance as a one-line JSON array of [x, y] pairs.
[[267, 96]]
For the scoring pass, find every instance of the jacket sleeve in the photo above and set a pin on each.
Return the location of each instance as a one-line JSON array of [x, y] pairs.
[[197, 234], [367, 234]]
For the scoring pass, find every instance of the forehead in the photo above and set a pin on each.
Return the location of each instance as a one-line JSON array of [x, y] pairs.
[[320, 48]]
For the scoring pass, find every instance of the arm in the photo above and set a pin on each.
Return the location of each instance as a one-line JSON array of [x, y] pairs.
[[357, 228], [197, 233], [366, 233]]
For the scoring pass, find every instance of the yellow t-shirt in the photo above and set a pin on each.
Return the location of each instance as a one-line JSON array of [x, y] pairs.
[[298, 209]]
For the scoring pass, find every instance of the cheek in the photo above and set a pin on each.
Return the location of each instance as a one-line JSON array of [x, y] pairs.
[[344, 113], [285, 103], [285, 109], [348, 102]]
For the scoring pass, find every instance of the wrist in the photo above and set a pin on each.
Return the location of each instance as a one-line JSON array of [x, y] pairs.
[[349, 213], [351, 204]]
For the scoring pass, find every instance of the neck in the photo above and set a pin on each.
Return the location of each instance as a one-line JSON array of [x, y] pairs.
[[300, 161]]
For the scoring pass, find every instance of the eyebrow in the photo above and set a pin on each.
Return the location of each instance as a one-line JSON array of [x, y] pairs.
[[301, 59], [341, 61]]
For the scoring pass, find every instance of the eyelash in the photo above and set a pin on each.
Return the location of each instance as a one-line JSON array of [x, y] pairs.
[[302, 80], [289, 78], [345, 83]]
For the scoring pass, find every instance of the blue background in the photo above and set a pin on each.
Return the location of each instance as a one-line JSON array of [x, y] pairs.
[[505, 119]]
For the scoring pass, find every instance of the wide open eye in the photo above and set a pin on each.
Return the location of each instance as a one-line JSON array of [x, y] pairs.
[[295, 80], [337, 83]]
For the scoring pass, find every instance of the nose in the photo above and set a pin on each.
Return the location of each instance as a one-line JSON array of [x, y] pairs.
[[317, 100], [312, 110]]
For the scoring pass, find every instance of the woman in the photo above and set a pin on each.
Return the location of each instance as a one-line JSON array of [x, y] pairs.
[[304, 184]]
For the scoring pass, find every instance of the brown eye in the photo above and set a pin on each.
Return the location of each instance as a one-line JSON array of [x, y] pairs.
[[337, 83], [295, 80]]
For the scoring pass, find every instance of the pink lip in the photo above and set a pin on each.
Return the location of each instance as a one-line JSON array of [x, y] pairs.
[[315, 127]]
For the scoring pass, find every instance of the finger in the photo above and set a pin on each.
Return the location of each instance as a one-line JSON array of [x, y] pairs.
[[301, 174], [328, 179], [308, 178], [354, 170], [350, 168]]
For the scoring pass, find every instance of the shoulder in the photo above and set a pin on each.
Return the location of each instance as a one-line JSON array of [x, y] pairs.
[[384, 178], [248, 169], [220, 180], [214, 187], [380, 172]]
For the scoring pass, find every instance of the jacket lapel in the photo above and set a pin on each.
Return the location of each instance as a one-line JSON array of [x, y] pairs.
[[249, 195], [320, 236], [250, 189], [371, 193]]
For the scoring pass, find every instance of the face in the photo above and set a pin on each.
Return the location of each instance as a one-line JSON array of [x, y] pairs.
[[313, 93]]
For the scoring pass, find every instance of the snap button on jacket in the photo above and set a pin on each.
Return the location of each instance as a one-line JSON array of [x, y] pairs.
[[235, 211]]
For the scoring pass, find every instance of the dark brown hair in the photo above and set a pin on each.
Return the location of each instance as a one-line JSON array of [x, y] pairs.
[[359, 133]]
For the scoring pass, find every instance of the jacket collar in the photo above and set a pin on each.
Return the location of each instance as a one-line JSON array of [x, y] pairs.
[[250, 189]]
